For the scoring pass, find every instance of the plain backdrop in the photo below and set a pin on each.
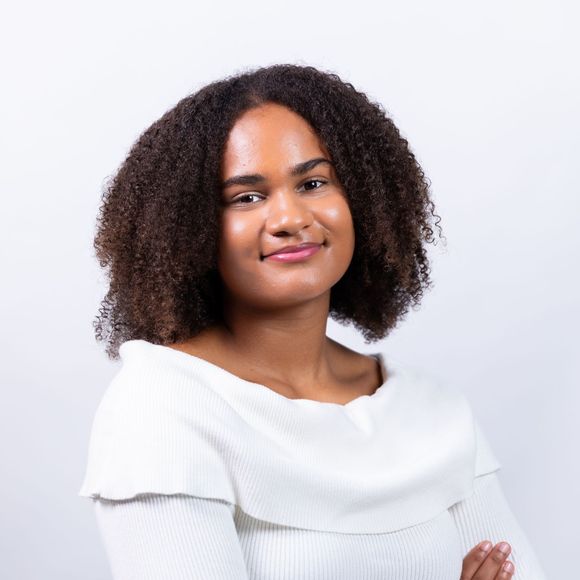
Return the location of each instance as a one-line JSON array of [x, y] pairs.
[[486, 94]]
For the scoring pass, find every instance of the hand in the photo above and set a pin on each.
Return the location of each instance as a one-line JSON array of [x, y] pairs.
[[481, 564]]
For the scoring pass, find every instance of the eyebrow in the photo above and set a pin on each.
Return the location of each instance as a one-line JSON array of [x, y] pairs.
[[255, 178]]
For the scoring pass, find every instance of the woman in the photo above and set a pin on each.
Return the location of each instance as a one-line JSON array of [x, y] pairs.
[[238, 440]]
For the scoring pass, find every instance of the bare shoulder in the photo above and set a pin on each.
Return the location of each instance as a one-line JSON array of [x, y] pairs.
[[355, 373], [206, 345], [356, 367]]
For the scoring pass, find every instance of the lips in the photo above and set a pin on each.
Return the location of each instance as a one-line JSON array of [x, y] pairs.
[[292, 249]]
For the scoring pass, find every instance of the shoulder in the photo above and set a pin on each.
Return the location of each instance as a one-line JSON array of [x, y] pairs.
[[155, 430], [146, 395], [427, 399]]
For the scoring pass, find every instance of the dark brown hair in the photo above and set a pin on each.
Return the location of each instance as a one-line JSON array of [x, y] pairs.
[[159, 219]]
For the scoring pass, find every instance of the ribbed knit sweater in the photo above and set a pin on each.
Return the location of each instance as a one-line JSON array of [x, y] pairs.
[[197, 473]]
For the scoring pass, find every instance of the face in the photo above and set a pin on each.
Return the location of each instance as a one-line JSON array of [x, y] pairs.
[[276, 194]]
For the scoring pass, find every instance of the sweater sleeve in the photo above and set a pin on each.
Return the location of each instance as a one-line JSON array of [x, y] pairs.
[[486, 515], [170, 537]]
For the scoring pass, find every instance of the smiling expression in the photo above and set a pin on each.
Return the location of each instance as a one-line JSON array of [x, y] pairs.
[[279, 188]]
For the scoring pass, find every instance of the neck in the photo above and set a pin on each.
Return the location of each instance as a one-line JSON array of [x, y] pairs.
[[287, 345]]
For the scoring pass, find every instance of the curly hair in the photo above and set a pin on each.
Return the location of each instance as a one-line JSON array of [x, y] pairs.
[[159, 218]]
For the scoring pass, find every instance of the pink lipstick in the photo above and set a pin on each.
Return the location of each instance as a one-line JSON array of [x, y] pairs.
[[294, 255]]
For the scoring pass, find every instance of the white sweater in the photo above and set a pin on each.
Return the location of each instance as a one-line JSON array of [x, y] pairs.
[[197, 473]]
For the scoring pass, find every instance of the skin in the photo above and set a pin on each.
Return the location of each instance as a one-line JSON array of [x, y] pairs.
[[480, 564], [269, 304]]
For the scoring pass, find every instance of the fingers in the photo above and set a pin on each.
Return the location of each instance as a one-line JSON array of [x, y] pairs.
[[488, 564], [507, 571], [491, 569], [474, 559]]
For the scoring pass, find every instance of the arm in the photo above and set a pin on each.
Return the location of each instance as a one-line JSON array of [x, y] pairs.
[[170, 537], [486, 515]]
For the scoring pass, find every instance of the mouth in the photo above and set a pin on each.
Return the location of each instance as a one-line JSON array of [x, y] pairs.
[[294, 255]]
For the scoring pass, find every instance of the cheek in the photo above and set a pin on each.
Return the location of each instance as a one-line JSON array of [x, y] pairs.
[[237, 238], [338, 221]]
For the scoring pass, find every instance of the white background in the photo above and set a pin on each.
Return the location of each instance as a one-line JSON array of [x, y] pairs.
[[487, 95]]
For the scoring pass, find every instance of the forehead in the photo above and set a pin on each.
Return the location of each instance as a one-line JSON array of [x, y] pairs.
[[270, 133]]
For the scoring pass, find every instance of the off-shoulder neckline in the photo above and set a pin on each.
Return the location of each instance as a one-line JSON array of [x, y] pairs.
[[387, 373]]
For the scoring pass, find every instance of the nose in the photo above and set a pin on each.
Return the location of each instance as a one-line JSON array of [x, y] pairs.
[[287, 211]]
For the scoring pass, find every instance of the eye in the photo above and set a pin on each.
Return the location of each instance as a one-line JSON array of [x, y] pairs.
[[246, 195], [315, 181]]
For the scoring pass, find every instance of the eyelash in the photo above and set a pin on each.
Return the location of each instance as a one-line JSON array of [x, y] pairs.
[[237, 199]]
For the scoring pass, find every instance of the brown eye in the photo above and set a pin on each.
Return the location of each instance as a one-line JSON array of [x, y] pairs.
[[241, 197], [315, 181]]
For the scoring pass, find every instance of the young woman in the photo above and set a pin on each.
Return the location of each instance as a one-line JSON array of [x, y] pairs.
[[237, 440]]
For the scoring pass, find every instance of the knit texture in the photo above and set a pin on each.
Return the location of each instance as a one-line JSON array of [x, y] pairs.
[[180, 537], [197, 473]]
